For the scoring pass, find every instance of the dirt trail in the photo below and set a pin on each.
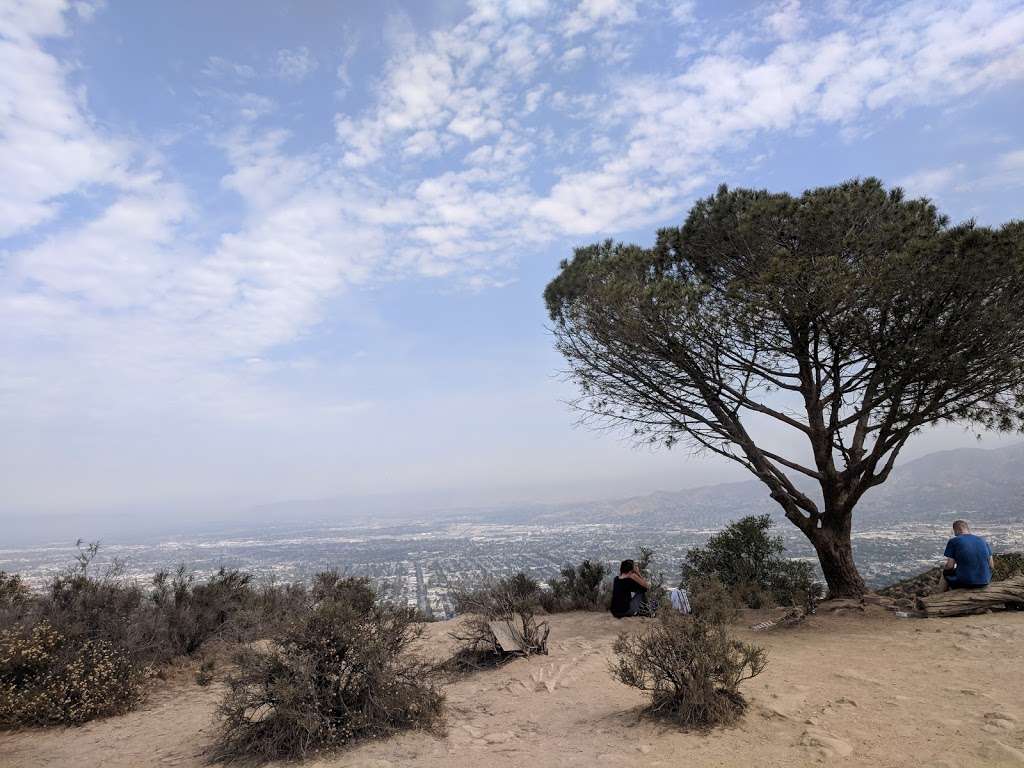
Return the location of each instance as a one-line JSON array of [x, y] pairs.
[[866, 690]]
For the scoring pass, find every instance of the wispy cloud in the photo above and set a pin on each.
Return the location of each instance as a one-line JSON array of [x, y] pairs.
[[932, 182], [786, 20], [218, 67], [295, 64], [591, 14]]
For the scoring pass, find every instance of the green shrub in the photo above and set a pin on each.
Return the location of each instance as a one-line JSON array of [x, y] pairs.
[[712, 601], [1007, 565], [579, 588], [794, 584], [644, 563], [690, 667], [340, 673], [746, 559], [47, 678]]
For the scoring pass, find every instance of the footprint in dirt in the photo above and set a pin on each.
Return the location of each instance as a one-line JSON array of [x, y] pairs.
[[553, 676], [826, 745], [999, 722], [997, 752]]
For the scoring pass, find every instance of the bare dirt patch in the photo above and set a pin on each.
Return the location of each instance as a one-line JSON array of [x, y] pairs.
[[861, 690]]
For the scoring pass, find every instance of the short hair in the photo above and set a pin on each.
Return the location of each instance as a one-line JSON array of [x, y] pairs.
[[626, 566], [960, 526]]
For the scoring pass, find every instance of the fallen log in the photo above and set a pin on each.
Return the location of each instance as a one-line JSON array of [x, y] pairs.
[[963, 602]]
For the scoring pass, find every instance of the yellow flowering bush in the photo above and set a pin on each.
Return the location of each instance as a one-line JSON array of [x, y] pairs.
[[45, 678]]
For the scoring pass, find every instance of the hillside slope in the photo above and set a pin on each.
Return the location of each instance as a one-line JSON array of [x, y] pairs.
[[866, 690]]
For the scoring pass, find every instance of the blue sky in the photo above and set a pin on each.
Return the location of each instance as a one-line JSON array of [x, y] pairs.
[[253, 251]]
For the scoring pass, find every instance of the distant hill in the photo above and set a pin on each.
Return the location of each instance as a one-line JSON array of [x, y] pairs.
[[985, 485]]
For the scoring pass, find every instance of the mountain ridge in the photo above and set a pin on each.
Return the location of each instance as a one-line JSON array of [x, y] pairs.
[[986, 484]]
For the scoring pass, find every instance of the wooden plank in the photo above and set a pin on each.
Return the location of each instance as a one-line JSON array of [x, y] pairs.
[[505, 638], [963, 602]]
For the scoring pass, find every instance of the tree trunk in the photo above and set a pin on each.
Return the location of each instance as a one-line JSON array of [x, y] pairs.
[[835, 553]]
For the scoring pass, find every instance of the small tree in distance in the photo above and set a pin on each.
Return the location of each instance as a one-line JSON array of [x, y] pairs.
[[849, 316]]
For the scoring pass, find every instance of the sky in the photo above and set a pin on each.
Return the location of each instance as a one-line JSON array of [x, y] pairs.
[[256, 251]]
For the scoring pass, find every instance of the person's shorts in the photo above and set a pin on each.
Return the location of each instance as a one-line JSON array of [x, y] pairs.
[[954, 583]]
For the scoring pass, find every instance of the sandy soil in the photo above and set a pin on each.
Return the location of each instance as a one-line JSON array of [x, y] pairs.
[[868, 689]]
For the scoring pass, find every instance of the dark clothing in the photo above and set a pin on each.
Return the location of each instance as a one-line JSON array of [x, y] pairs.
[[949, 574], [971, 554], [627, 597]]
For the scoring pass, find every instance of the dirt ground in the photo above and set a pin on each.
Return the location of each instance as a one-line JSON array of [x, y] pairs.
[[862, 690]]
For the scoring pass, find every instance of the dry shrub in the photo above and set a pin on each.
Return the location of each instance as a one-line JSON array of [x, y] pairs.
[[690, 667], [341, 672], [276, 606], [205, 673], [354, 592], [47, 678], [190, 613], [176, 618], [514, 602], [77, 652], [83, 648], [13, 591], [15, 599], [103, 606]]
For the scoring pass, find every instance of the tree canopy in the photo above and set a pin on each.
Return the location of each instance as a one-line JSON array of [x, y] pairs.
[[850, 316]]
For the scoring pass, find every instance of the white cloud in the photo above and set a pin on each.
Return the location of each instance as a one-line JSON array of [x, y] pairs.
[[932, 182], [348, 52], [683, 11], [590, 14], [573, 56], [649, 140], [87, 9], [1012, 161], [217, 66], [786, 20], [252, 106], [533, 98], [295, 65], [47, 147], [526, 8], [456, 82]]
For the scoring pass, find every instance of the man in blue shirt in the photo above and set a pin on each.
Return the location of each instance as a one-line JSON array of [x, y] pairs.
[[968, 559]]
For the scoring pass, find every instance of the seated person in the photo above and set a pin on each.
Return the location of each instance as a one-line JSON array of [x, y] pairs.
[[628, 592], [968, 559]]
